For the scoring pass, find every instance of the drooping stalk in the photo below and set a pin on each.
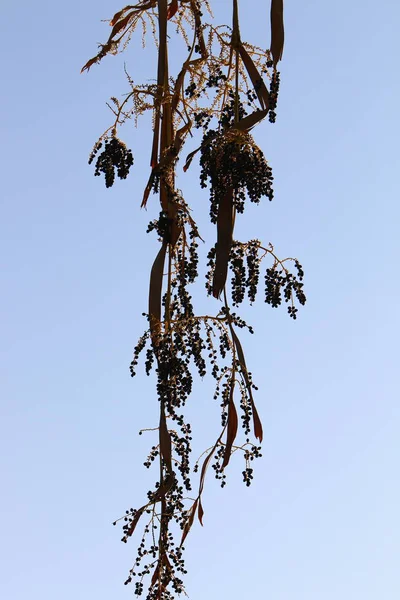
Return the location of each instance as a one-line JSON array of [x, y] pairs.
[[222, 90]]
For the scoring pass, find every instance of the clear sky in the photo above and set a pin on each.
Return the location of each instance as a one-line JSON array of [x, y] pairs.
[[321, 521]]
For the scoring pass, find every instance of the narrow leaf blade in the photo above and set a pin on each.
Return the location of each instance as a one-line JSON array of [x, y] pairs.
[[232, 428], [258, 430], [256, 79], [189, 521], [277, 30], [121, 24], [251, 120], [172, 9], [165, 442], [200, 512], [155, 290], [224, 242], [119, 14]]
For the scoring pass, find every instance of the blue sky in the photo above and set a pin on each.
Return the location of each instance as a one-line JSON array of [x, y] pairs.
[[321, 519]]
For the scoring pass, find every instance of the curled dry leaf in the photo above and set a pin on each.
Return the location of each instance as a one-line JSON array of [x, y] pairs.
[[119, 14], [251, 120], [165, 442], [256, 79], [190, 157], [121, 24], [200, 512], [258, 430], [90, 63], [277, 30], [232, 427], [172, 9], [156, 574], [224, 242], [135, 521], [189, 521], [155, 292]]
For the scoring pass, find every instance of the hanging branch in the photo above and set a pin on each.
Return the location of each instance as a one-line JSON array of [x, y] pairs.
[[222, 90]]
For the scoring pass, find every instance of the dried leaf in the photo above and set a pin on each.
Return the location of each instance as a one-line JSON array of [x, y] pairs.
[[155, 574], [165, 442], [200, 512], [166, 561], [251, 120], [119, 14], [258, 431], [166, 128], [190, 157], [135, 521], [256, 79], [198, 28], [224, 242], [277, 30], [232, 428], [204, 467], [163, 196], [172, 9], [189, 521], [90, 63], [162, 46], [203, 475], [156, 278], [148, 188], [235, 40], [164, 488], [120, 25]]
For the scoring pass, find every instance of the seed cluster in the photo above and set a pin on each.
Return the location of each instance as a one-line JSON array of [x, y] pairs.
[[232, 160], [273, 96], [147, 560], [114, 156], [277, 280], [244, 262], [182, 345]]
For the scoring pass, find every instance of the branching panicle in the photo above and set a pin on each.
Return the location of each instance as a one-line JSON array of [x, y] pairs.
[[223, 88]]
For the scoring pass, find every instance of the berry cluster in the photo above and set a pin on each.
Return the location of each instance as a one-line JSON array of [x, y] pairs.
[[273, 96], [114, 156], [232, 160], [277, 280], [245, 274], [244, 262], [148, 561]]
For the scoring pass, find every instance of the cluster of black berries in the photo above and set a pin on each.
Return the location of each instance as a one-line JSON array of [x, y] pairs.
[[202, 119], [223, 389], [251, 96], [245, 406], [215, 79], [231, 160], [244, 263], [190, 91], [249, 455], [114, 156], [278, 280], [212, 351], [183, 449], [245, 276], [217, 464], [238, 281], [169, 561], [273, 96], [160, 225], [141, 344], [228, 115], [253, 269], [151, 457], [247, 476]]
